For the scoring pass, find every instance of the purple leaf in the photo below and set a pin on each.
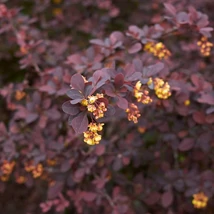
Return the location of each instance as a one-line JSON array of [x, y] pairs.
[[116, 36], [89, 196], [47, 88], [207, 98], [66, 165], [74, 58], [199, 117], [99, 150], [152, 69], [122, 103], [31, 117], [206, 31], [54, 190], [119, 80], [152, 198], [186, 144], [70, 109], [135, 48], [74, 94], [80, 123], [170, 8], [77, 82], [97, 42], [167, 199], [182, 18]]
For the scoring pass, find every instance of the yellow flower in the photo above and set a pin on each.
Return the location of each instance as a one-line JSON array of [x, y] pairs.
[[199, 200], [91, 137], [19, 95], [37, 171], [157, 49], [7, 167], [142, 95], [187, 102], [133, 113], [205, 46], [93, 105], [162, 89], [84, 102]]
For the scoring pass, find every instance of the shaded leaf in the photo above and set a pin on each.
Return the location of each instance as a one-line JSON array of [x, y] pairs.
[[207, 98], [31, 117], [89, 196], [74, 94], [54, 190], [80, 123], [152, 198], [100, 149], [152, 69], [186, 144], [167, 199], [70, 109], [122, 103], [199, 117]]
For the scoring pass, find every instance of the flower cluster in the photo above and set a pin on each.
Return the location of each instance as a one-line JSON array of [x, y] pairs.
[[157, 49], [6, 169], [91, 137], [205, 46], [141, 94], [200, 200], [19, 95], [94, 105], [35, 170], [133, 113], [162, 89]]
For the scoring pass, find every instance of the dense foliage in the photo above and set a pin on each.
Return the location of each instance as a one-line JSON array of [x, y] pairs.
[[106, 107]]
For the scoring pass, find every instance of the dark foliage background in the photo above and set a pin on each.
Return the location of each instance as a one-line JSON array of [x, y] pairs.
[[154, 166]]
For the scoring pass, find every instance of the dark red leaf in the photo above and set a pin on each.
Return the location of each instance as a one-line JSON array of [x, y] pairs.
[[47, 88], [167, 199], [77, 82], [152, 69], [135, 48], [74, 94], [152, 198], [68, 108], [186, 144], [80, 123], [199, 117], [31, 117], [100, 149], [207, 98], [89, 196], [54, 190], [65, 166], [122, 103], [119, 80]]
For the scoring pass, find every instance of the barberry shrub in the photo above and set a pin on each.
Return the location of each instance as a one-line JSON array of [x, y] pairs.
[[106, 106]]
